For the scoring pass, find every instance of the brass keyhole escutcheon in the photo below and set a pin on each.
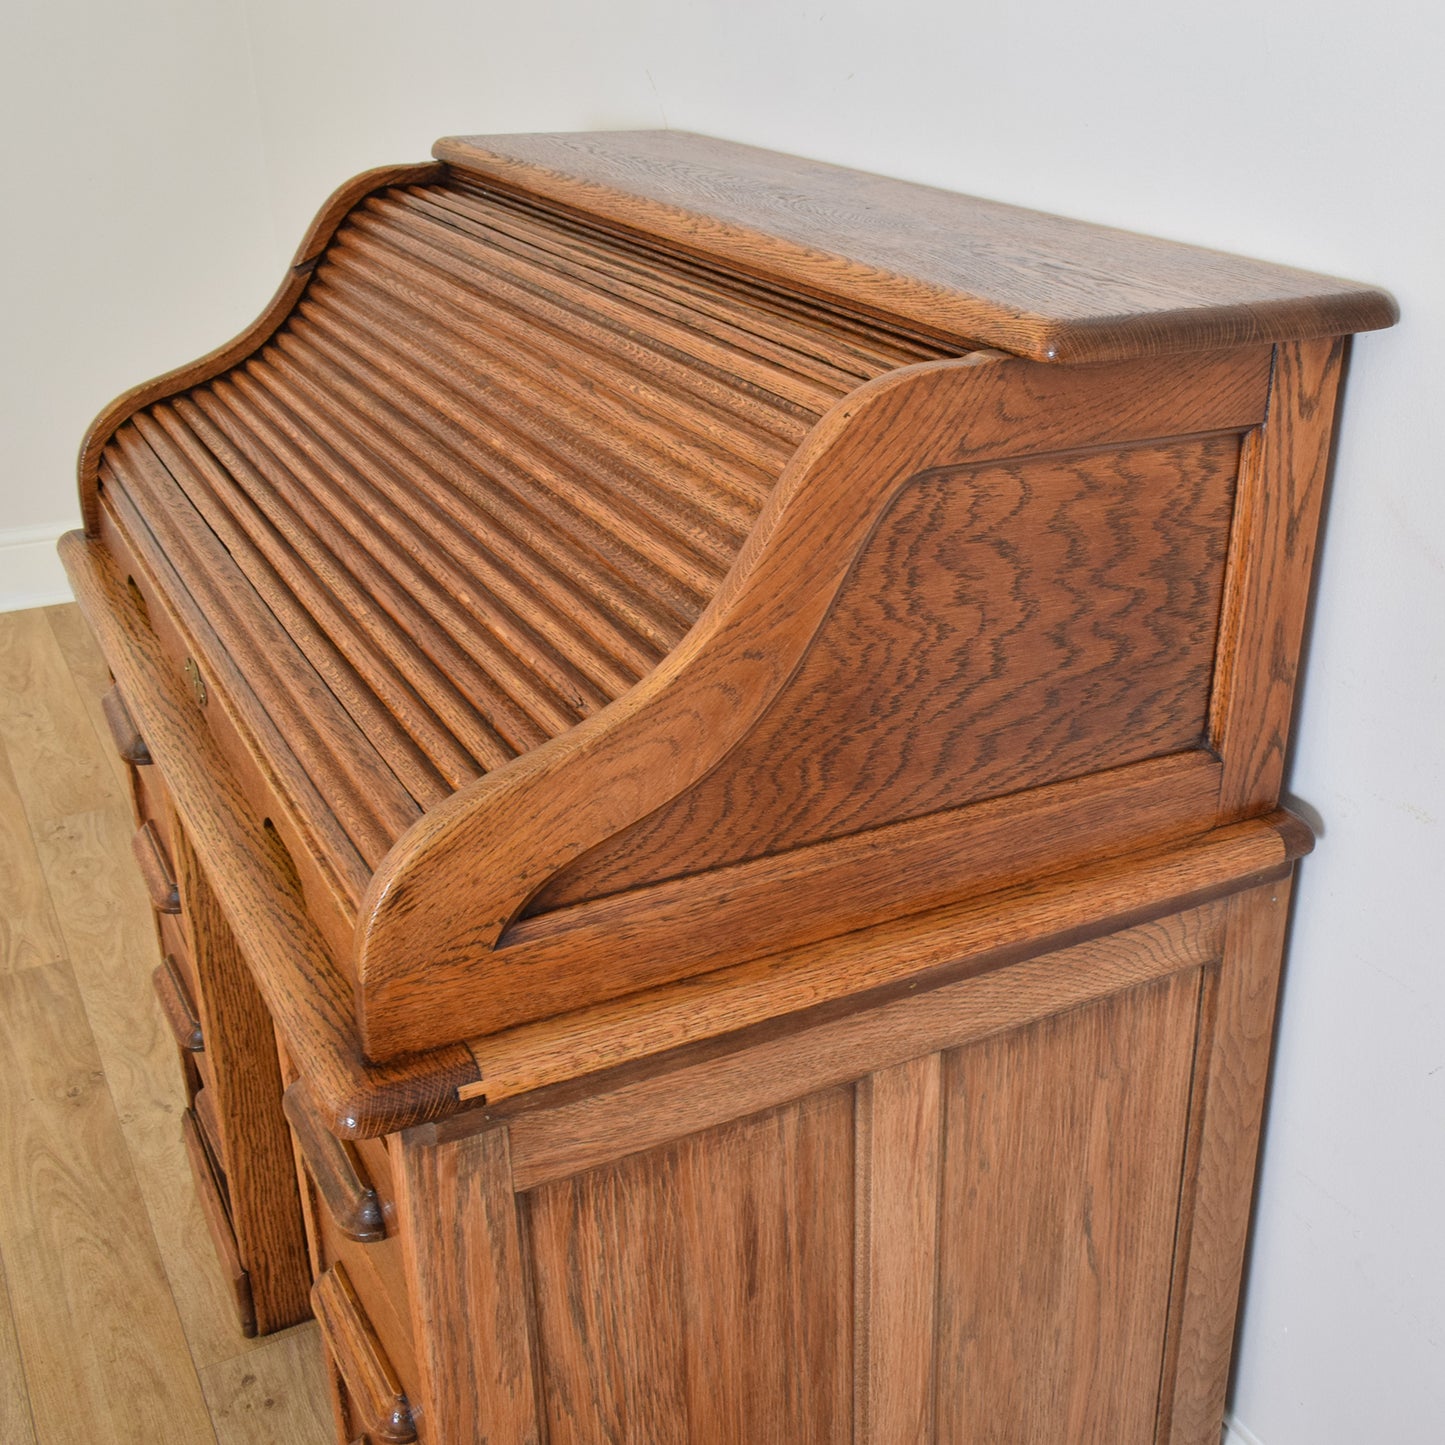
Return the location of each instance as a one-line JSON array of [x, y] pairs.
[[198, 685]]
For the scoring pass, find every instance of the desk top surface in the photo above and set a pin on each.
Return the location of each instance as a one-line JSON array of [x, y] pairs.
[[1037, 285]]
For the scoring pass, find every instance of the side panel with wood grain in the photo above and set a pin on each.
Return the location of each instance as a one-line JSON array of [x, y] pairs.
[[976, 1241]]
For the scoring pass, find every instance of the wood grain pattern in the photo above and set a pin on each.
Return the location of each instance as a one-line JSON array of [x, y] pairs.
[[77, 1247], [64, 773], [274, 1394], [1234, 1067], [372, 1385], [29, 932], [899, 1161], [1062, 1150], [16, 1422], [302, 987], [1281, 492], [551, 1139], [803, 894], [1004, 627], [468, 1290], [846, 973], [732, 1261], [470, 865], [1039, 285], [88, 670], [246, 1090]]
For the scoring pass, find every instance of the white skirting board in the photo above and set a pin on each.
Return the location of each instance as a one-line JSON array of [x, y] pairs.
[[1236, 1434], [30, 571]]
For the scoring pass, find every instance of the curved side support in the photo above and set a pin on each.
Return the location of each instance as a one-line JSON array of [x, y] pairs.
[[255, 336], [440, 902]]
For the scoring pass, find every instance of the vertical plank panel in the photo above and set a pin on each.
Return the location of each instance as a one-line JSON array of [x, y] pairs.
[[1062, 1151], [1234, 1068], [898, 1159], [722, 1265], [611, 1312], [246, 1075], [469, 1294]]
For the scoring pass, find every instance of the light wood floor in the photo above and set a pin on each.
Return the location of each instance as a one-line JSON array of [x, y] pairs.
[[113, 1322]]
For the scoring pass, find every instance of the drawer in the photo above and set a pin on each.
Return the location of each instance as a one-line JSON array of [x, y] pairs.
[[176, 946], [177, 999], [153, 802], [153, 858], [211, 1192], [374, 1398], [354, 1218], [123, 730]]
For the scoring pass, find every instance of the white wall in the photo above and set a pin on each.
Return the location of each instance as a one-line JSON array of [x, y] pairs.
[[135, 233], [1305, 131]]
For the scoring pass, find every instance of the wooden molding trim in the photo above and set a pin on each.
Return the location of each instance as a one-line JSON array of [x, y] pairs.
[[1040, 286]]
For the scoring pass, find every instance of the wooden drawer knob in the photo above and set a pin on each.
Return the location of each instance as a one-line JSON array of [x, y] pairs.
[[371, 1381], [177, 1007], [340, 1178], [155, 869], [123, 731]]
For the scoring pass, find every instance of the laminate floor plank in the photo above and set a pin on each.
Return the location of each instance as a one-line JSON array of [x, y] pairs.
[[105, 1356], [273, 1395], [59, 767], [29, 933], [106, 922], [16, 1425], [91, 678], [118, 1327]]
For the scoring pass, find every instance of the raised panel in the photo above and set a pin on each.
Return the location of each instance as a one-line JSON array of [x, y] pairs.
[[702, 1291], [1063, 1146], [1005, 627]]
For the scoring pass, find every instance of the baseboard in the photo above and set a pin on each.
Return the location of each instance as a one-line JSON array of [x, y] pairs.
[[1236, 1434], [30, 570]]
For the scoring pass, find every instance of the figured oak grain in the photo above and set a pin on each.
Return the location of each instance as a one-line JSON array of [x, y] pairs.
[[1039, 285], [1062, 1147]]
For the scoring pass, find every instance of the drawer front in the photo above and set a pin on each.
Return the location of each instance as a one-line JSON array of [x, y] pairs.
[[374, 1396], [216, 1207], [353, 1217]]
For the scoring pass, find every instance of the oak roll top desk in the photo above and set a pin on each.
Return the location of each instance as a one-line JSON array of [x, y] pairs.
[[707, 733]]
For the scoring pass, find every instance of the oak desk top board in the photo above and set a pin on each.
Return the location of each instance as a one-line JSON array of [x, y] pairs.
[[632, 589]]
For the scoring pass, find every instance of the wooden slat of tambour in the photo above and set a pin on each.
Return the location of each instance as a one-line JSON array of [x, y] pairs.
[[539, 495], [230, 406], [375, 627], [653, 501], [522, 421], [342, 856], [531, 619], [687, 471], [365, 796], [201, 483], [549, 705], [809, 336], [397, 430], [670, 301], [728, 466], [833, 328], [476, 591], [741, 386]]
